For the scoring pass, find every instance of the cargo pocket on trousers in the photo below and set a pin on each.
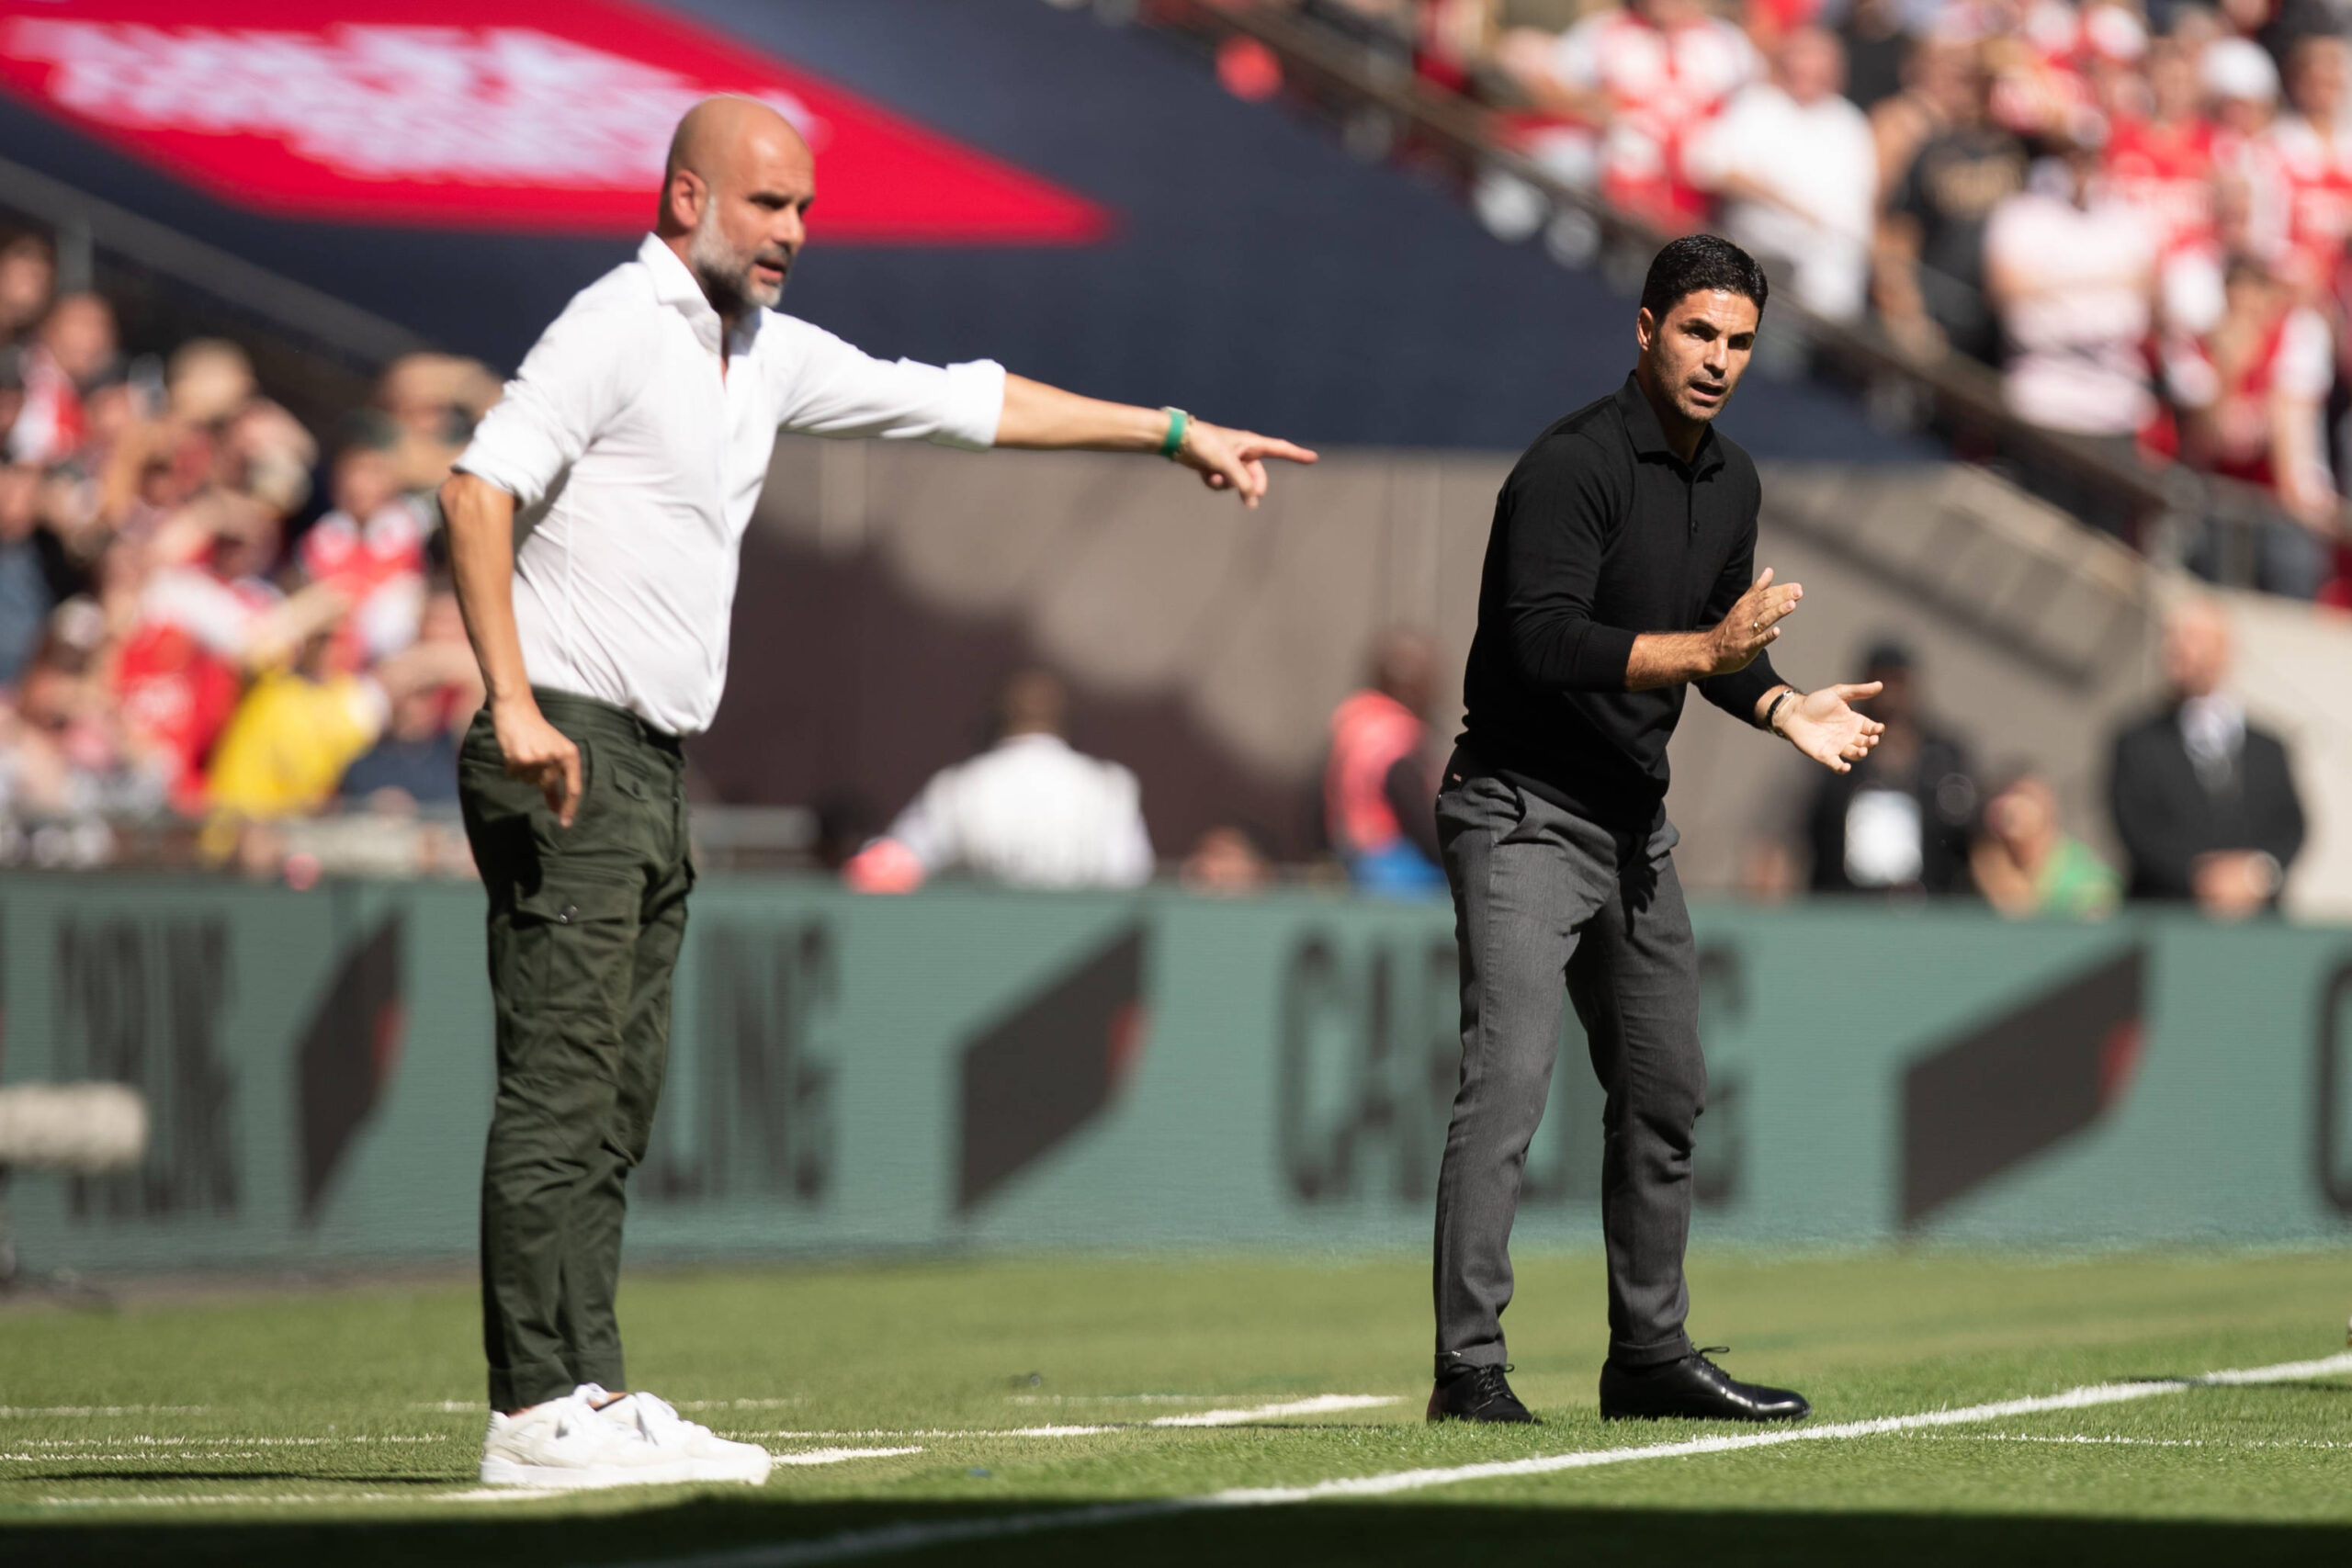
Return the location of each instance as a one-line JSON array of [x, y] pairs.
[[576, 941]]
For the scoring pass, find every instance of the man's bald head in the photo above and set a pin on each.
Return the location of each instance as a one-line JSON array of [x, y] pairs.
[[720, 129], [734, 190]]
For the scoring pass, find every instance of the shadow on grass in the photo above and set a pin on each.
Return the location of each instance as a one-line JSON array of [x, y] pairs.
[[1275, 1538], [189, 1473]]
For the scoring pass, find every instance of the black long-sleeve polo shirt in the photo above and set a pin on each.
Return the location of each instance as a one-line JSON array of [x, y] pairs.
[[1601, 534]]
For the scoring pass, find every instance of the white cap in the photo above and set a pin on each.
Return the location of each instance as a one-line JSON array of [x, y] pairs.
[[2239, 68]]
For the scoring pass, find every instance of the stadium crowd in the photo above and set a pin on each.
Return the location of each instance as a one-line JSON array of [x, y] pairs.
[[207, 623], [2137, 213]]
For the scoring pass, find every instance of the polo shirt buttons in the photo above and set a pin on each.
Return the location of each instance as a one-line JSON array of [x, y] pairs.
[[569, 911]]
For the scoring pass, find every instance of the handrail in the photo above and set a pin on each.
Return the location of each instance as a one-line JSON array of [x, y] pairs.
[[1962, 393], [361, 336]]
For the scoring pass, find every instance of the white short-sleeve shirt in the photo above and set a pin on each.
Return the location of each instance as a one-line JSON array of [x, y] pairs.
[[640, 465]]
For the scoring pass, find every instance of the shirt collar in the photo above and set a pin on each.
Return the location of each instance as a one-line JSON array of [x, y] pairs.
[[675, 286], [1649, 437]]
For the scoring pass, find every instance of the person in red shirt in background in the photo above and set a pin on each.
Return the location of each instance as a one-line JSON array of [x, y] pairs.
[[207, 619], [1379, 794], [2162, 162], [74, 342], [2252, 391], [1617, 94], [370, 550], [2313, 157]]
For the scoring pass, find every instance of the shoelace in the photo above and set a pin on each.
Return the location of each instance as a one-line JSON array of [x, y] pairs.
[[1488, 1385]]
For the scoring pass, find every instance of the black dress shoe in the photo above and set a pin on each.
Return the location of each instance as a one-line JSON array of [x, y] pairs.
[[1465, 1392], [1693, 1389]]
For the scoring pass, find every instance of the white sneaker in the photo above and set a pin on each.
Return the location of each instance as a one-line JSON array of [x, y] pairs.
[[656, 1423], [565, 1444]]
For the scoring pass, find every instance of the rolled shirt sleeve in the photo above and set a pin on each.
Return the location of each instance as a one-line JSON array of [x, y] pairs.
[[572, 382], [839, 390]]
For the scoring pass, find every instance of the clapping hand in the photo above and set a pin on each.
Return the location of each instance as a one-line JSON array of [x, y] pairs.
[[1824, 725]]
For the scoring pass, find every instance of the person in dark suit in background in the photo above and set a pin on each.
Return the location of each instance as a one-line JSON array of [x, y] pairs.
[[1900, 822], [2204, 803]]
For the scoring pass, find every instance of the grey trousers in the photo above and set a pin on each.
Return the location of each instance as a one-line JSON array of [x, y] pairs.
[[1549, 908]]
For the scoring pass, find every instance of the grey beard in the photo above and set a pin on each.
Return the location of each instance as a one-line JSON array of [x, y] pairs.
[[726, 280]]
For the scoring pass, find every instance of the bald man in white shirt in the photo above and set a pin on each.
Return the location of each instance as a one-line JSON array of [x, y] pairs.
[[636, 437]]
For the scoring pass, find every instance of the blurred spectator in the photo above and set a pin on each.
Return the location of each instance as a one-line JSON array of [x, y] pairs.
[[1876, 41], [2073, 276], [435, 401], [1899, 820], [2252, 393], [2204, 803], [148, 503], [370, 550], [1930, 272], [68, 759], [2025, 863], [2311, 150], [286, 747], [2160, 162], [1379, 789], [1621, 91], [74, 344], [1029, 812], [415, 761], [25, 592], [1225, 862], [27, 282], [1795, 165]]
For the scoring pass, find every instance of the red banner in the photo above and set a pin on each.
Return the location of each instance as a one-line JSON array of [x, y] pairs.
[[538, 115]]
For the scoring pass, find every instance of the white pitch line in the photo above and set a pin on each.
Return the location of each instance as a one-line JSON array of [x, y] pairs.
[[1320, 1405], [837, 1456], [740, 1403], [8, 1410], [2131, 1442], [892, 1539]]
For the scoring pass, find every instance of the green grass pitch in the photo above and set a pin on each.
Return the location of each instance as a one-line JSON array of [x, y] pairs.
[[341, 1426]]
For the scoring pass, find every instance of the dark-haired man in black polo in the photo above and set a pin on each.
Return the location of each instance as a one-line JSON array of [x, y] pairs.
[[1618, 573]]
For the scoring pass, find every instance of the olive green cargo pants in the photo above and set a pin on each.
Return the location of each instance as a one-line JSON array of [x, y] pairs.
[[585, 923]]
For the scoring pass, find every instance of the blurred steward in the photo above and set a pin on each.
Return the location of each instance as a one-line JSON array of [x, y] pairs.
[[2204, 803], [1899, 821], [1930, 263], [1225, 862], [1793, 162], [1618, 95], [2025, 863], [1379, 789], [1029, 812]]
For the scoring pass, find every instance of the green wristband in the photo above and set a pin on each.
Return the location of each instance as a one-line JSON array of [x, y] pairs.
[[1178, 421]]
